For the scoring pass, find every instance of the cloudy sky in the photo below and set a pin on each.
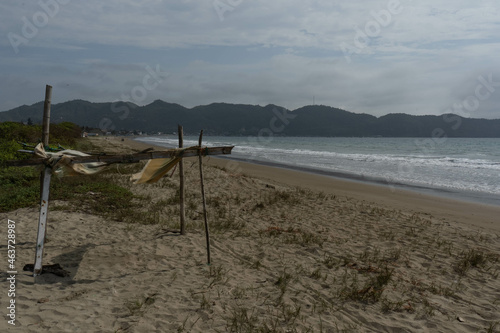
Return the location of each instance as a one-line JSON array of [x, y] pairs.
[[365, 56]]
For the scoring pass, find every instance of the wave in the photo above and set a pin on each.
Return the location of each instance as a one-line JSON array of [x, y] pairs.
[[465, 172], [334, 157], [453, 162]]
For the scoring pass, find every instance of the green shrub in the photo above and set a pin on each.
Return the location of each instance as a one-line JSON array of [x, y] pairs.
[[11, 133]]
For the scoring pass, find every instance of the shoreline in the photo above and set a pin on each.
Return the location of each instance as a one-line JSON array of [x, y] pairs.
[[463, 196], [451, 209], [470, 196]]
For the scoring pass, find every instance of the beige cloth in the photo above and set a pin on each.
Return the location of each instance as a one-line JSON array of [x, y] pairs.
[[61, 162], [154, 170], [61, 165]]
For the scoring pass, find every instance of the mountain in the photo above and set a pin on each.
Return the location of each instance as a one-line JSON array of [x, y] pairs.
[[241, 119]]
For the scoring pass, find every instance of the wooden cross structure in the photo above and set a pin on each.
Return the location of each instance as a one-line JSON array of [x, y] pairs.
[[110, 159]]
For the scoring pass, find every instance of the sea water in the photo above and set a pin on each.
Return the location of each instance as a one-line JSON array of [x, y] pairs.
[[464, 168]]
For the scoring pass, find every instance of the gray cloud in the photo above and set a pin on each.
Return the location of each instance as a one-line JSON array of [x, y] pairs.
[[420, 60]]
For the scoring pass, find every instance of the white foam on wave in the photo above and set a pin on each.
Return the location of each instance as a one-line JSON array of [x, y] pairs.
[[377, 158], [466, 172]]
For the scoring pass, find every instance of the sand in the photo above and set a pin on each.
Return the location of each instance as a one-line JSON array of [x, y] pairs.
[[291, 252]]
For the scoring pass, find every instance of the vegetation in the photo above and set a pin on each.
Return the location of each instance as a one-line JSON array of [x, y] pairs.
[[105, 194], [20, 186], [473, 259], [64, 134]]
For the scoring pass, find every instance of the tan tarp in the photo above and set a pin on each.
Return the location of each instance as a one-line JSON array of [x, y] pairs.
[[60, 162], [154, 170], [61, 165]]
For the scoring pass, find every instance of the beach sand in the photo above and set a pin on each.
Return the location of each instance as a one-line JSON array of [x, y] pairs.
[[291, 252]]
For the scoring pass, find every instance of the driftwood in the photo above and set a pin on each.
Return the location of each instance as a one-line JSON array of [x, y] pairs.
[[131, 158]]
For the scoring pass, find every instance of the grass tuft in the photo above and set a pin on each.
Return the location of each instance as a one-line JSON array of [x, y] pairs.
[[473, 259], [371, 292]]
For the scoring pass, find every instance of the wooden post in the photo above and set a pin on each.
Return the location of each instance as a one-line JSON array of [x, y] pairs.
[[46, 115], [207, 232], [45, 125], [42, 222], [181, 179], [44, 188]]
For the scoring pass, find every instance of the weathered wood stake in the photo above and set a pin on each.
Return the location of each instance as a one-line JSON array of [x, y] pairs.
[[207, 232], [181, 180], [46, 115], [44, 188]]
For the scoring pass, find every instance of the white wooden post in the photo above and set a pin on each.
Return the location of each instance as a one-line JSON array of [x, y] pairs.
[[45, 184], [42, 222]]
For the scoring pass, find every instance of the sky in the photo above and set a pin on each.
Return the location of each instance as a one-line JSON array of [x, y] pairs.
[[426, 57]]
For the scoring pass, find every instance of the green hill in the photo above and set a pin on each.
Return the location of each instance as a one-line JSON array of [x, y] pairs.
[[241, 119]]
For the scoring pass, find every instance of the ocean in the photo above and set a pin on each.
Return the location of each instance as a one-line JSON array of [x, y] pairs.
[[461, 168]]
